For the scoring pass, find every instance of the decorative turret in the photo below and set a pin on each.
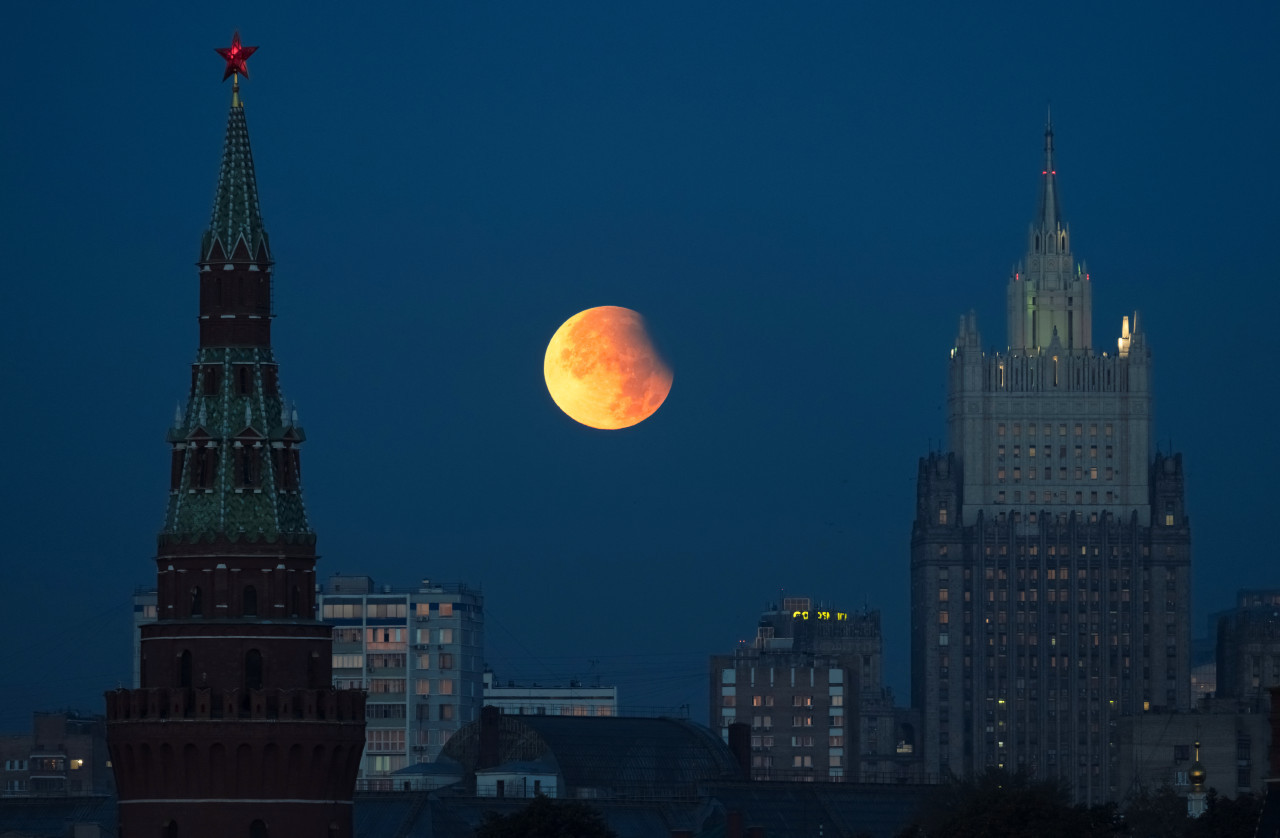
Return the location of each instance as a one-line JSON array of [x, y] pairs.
[[236, 729]]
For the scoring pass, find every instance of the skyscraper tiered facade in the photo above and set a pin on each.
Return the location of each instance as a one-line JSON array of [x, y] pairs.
[[1050, 553]]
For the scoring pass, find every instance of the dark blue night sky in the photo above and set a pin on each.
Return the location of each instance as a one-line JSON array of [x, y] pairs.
[[800, 198]]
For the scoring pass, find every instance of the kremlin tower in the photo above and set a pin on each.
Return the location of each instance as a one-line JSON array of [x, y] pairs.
[[236, 730]]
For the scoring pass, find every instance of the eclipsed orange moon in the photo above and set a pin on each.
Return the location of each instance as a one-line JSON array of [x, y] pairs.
[[602, 369]]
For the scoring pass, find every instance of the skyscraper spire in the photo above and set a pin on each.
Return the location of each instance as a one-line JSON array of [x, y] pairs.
[[1049, 294], [1050, 214]]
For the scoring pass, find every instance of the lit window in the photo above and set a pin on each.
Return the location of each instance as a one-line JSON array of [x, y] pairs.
[[446, 609]]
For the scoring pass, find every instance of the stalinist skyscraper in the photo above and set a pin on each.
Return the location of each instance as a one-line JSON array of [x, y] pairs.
[[1050, 554]]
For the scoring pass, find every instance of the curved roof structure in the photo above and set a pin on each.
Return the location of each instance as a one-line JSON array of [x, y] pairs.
[[606, 756]]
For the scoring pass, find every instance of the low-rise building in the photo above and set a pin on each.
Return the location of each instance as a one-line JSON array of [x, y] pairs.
[[1154, 750], [65, 754], [535, 700], [1248, 648]]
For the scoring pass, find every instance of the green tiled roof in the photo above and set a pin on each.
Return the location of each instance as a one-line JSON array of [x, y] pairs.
[[265, 511], [236, 213]]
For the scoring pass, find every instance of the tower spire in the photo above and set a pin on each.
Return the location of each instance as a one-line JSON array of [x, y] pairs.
[[236, 671], [236, 214]]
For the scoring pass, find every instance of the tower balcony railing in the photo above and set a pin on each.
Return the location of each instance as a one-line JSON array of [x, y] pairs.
[[208, 703]]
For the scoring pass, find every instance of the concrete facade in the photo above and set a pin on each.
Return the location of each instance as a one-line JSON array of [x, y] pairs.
[[1157, 749], [810, 688], [573, 700], [1248, 648], [1050, 553], [420, 654], [64, 755]]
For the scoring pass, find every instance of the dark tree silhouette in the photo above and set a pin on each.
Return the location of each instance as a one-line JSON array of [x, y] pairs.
[[998, 804], [546, 818]]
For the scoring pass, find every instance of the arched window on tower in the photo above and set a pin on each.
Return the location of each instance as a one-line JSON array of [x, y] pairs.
[[250, 601], [248, 465], [184, 669], [295, 602], [197, 602], [253, 670], [258, 829], [313, 671], [169, 830]]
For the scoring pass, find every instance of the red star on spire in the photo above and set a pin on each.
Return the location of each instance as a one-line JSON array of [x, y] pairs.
[[236, 56]]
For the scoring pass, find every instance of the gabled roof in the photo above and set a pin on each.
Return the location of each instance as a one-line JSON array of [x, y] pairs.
[[615, 756]]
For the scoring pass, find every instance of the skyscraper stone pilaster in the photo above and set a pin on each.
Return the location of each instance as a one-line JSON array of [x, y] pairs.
[[1050, 553]]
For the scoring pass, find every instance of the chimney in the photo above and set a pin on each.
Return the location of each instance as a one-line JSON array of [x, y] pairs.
[[740, 746], [490, 720], [733, 825]]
